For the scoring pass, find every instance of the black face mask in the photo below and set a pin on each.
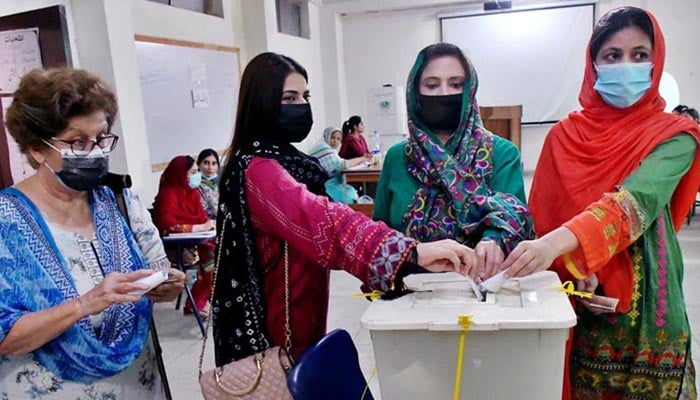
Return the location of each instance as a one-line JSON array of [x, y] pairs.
[[294, 122], [82, 173], [440, 113]]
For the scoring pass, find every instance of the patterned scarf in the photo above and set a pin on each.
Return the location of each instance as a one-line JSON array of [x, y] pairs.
[[239, 304], [455, 200], [29, 256]]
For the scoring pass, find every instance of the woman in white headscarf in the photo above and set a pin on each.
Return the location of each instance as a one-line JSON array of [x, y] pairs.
[[326, 151]]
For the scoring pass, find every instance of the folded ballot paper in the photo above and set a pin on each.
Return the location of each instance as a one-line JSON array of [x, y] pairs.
[[494, 283]]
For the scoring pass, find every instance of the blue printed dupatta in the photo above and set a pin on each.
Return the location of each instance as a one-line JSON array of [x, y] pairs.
[[34, 276]]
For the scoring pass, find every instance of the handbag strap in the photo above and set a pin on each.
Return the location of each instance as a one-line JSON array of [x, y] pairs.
[[287, 326]]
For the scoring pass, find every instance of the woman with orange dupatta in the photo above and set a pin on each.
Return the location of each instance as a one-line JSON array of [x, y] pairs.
[[612, 186]]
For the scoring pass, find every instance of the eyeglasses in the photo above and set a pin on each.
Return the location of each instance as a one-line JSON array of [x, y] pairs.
[[81, 147]]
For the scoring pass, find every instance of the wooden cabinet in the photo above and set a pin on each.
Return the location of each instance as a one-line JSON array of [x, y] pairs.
[[503, 121]]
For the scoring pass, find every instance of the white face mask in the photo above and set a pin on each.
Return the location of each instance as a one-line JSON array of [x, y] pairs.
[[194, 180]]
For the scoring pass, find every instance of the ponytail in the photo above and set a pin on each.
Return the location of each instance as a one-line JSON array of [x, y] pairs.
[[351, 124]]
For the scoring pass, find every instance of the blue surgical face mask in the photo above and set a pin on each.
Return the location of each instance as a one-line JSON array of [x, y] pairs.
[[194, 180], [210, 177], [622, 85]]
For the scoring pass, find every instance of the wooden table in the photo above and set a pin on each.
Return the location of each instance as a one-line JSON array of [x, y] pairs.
[[361, 175]]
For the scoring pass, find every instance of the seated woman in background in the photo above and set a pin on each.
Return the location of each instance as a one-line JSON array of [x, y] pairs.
[[177, 209], [326, 151], [70, 326], [453, 179], [354, 144], [208, 163]]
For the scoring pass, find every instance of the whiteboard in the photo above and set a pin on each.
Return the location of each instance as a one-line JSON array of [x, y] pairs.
[[529, 57], [190, 94]]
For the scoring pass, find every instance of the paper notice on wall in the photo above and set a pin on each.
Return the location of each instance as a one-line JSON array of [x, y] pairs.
[[198, 72], [200, 98], [383, 101], [19, 54], [20, 168]]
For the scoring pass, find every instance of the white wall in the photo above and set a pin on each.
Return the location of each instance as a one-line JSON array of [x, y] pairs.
[[368, 43]]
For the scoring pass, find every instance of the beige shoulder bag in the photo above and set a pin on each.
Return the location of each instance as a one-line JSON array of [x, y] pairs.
[[261, 376]]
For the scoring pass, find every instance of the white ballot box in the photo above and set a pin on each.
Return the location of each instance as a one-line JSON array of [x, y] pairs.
[[514, 347]]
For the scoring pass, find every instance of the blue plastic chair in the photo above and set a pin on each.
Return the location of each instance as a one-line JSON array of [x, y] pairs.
[[329, 370]]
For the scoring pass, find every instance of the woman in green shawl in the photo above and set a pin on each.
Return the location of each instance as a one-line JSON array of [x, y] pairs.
[[453, 179]]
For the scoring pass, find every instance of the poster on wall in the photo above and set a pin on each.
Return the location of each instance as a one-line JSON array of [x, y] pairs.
[[19, 54], [382, 101], [19, 166]]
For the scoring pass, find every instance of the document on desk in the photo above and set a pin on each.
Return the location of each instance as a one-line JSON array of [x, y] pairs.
[[361, 166], [193, 235]]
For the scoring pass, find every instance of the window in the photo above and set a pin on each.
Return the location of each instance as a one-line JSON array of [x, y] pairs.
[[210, 7], [293, 17]]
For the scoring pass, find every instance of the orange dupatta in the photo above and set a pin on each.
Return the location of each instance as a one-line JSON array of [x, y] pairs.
[[593, 150]]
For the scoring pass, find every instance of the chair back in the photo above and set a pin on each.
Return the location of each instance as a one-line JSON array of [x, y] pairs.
[[329, 370], [117, 183]]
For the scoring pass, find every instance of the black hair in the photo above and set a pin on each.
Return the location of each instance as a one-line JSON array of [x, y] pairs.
[[438, 50], [206, 153], [616, 20], [694, 114], [260, 96], [189, 162], [683, 109], [351, 124]]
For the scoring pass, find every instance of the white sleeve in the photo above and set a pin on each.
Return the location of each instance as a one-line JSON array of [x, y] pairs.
[[145, 232]]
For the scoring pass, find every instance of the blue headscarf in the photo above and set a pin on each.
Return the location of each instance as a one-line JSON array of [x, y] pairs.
[[34, 276]]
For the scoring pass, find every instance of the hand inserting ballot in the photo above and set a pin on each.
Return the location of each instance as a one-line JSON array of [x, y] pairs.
[[447, 255]]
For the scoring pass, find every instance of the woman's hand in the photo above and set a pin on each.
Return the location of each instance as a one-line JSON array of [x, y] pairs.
[[114, 288], [168, 290], [532, 256], [529, 256], [597, 304], [489, 257], [207, 226], [447, 255]]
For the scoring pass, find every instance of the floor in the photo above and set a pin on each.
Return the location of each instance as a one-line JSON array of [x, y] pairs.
[[182, 343]]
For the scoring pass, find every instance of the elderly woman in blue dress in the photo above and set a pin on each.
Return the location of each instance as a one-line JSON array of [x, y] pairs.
[[72, 321]]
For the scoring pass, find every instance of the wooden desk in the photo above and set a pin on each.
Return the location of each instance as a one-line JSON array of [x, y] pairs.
[[503, 121], [179, 241], [364, 176]]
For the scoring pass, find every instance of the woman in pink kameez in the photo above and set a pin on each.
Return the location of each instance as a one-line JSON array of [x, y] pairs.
[[272, 193]]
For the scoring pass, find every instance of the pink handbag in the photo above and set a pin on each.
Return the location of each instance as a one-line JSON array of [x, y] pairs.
[[257, 377], [262, 376]]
